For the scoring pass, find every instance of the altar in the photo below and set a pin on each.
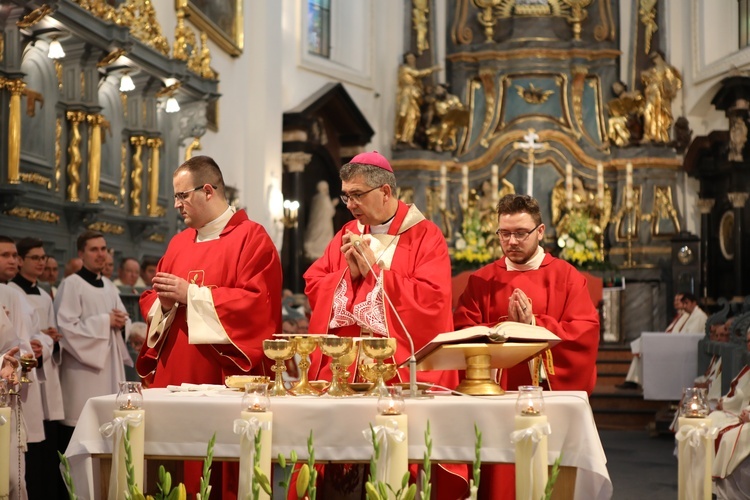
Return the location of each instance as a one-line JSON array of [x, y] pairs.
[[180, 424]]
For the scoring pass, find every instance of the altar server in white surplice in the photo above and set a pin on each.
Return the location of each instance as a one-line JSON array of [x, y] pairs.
[[92, 321]]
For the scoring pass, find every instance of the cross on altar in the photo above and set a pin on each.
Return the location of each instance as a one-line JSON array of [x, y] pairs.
[[531, 146]]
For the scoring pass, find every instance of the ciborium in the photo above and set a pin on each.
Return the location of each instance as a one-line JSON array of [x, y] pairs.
[[279, 351], [379, 348], [28, 361], [340, 350], [305, 346]]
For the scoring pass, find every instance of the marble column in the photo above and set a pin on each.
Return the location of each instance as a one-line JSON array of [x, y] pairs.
[[738, 200], [295, 163], [706, 206]]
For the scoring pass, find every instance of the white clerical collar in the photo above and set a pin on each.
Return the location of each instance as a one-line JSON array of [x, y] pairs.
[[531, 265], [213, 229], [382, 228]]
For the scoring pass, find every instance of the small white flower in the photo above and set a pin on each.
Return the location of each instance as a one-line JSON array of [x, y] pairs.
[[460, 244]]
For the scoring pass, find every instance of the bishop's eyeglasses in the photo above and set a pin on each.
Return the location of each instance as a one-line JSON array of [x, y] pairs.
[[519, 235], [357, 197]]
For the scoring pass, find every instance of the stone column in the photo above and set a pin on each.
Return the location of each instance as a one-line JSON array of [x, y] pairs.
[[706, 206], [738, 200], [295, 163]]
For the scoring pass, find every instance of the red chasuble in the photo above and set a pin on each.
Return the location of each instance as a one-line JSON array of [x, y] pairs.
[[561, 304], [417, 279], [242, 269]]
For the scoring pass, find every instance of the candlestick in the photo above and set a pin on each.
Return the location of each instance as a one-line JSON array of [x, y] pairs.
[[443, 186], [629, 186], [600, 185], [694, 457], [465, 187], [568, 186], [494, 182]]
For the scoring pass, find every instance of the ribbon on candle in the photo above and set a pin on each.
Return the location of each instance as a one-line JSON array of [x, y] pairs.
[[117, 427], [694, 437], [383, 433], [249, 429], [535, 434]]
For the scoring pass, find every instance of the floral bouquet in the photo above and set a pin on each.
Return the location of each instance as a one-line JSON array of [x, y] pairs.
[[579, 240]]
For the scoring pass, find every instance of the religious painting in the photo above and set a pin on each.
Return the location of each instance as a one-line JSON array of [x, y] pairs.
[[222, 21]]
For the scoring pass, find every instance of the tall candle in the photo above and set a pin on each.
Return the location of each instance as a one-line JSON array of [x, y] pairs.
[[443, 186], [396, 457], [5, 429], [600, 185], [262, 421], [629, 185], [531, 465], [465, 187], [568, 186], [137, 425], [694, 464], [494, 182]]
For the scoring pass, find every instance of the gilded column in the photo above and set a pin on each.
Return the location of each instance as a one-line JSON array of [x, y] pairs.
[[706, 206], [738, 200], [16, 88], [153, 176], [74, 154], [95, 156], [138, 142]]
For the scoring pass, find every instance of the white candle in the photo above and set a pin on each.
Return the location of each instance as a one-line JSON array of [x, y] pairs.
[[600, 185], [5, 429], [629, 185], [568, 186], [692, 483], [494, 182], [465, 187], [397, 453], [137, 440], [531, 467], [443, 186], [264, 421]]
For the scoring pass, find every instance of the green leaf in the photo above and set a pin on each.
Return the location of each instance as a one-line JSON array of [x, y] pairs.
[[282, 461], [262, 479], [411, 493]]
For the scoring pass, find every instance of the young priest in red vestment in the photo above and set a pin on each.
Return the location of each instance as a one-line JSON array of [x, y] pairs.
[[217, 291], [529, 286], [400, 253]]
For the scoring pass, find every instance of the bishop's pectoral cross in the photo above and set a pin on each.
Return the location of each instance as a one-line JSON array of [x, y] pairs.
[[531, 146]]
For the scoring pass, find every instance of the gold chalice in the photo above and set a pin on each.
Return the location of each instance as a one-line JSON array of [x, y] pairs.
[[305, 346], [27, 361], [340, 349], [379, 349], [279, 351]]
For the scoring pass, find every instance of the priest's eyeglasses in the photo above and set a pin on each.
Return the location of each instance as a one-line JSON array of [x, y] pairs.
[[519, 235], [182, 195], [37, 258], [357, 197]]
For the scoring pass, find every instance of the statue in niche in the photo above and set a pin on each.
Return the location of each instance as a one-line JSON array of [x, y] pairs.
[[661, 83], [584, 203], [319, 230], [737, 137], [445, 115], [623, 125], [409, 98]]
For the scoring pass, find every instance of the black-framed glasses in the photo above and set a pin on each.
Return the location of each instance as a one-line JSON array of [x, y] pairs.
[[519, 235], [37, 258], [182, 195], [357, 197]]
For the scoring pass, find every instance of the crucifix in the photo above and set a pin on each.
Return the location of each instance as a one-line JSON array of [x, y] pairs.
[[531, 146]]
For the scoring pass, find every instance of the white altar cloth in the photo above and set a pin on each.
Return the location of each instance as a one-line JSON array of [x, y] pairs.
[[670, 363], [180, 425]]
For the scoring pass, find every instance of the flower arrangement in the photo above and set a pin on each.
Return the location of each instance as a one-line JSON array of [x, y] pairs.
[[476, 244], [579, 240]]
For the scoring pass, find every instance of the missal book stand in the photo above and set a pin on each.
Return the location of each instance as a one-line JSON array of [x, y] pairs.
[[479, 349]]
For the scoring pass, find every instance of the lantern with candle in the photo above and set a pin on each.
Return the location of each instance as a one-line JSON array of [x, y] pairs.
[[695, 449], [391, 428], [530, 438], [255, 418], [695, 403], [129, 416]]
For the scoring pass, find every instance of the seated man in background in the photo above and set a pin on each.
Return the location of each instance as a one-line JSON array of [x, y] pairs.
[[148, 271], [711, 378], [128, 274]]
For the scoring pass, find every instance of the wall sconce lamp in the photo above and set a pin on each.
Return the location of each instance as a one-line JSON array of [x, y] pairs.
[[171, 105], [291, 211], [55, 50], [126, 83]]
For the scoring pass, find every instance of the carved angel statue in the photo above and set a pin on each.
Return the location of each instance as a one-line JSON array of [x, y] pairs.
[[624, 111], [660, 86], [447, 114], [409, 99]]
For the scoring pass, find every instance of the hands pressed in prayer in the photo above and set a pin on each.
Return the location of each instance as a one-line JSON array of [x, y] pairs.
[[170, 289], [9, 365], [52, 332], [117, 318], [519, 307], [357, 264]]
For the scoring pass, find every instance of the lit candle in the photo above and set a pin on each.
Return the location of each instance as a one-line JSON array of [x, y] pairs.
[[600, 185], [443, 186], [568, 186], [255, 418], [530, 438], [494, 182], [695, 451], [465, 187], [629, 185], [391, 427]]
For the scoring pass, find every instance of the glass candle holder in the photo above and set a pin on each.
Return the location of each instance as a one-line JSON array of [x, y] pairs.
[[256, 397], [694, 403], [391, 401], [530, 401], [130, 396]]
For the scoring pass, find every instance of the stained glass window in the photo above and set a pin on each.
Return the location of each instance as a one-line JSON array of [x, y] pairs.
[[319, 27]]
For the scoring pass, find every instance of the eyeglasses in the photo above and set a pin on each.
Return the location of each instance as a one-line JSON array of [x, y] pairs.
[[357, 197], [37, 258], [519, 235], [182, 195]]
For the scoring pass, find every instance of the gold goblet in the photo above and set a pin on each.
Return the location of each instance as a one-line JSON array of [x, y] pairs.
[[379, 349], [338, 348], [305, 346], [27, 361], [279, 351]]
